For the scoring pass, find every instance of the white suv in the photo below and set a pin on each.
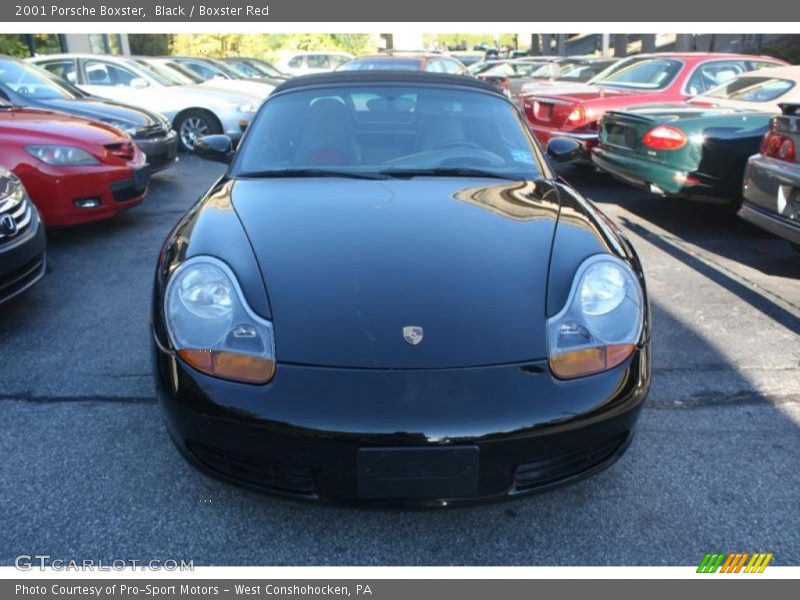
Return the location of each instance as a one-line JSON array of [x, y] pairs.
[[303, 63]]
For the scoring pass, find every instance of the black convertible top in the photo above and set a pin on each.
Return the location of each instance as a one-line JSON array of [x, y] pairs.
[[379, 77]]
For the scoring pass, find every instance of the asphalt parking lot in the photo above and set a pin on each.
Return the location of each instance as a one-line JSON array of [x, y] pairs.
[[88, 471]]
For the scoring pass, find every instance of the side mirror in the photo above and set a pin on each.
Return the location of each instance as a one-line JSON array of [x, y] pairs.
[[563, 150], [217, 147], [138, 83]]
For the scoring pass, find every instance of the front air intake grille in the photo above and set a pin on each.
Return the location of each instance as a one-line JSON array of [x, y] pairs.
[[22, 278], [125, 190], [255, 471], [121, 150], [549, 470]]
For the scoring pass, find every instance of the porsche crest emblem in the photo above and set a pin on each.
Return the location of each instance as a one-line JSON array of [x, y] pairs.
[[412, 334]]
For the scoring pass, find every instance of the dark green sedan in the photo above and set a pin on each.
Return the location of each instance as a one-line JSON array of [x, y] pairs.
[[698, 149]]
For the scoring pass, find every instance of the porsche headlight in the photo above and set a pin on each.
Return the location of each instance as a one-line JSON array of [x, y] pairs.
[[211, 326], [62, 155], [602, 321]]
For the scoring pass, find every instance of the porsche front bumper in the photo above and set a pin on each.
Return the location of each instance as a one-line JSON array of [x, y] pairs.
[[421, 437]]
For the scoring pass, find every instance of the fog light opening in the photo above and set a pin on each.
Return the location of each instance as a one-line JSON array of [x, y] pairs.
[[87, 202]]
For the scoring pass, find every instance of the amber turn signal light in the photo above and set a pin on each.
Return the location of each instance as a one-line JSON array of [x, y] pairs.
[[245, 368], [588, 361]]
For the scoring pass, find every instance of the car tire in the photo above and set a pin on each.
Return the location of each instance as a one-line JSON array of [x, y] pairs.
[[195, 123]]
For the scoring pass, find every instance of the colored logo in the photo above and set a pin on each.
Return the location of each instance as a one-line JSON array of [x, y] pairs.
[[735, 562]]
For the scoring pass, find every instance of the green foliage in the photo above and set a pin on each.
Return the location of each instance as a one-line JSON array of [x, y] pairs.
[[14, 45], [17, 44], [472, 39], [150, 44], [790, 52], [268, 45]]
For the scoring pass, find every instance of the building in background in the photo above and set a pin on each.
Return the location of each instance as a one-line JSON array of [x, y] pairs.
[[32, 44]]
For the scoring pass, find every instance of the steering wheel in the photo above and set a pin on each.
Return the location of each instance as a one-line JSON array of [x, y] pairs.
[[23, 91]]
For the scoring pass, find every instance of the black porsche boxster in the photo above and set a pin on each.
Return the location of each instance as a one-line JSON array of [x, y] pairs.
[[391, 296]]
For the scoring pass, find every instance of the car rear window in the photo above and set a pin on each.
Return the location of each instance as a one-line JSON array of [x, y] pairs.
[[647, 74], [371, 128], [382, 64], [752, 89]]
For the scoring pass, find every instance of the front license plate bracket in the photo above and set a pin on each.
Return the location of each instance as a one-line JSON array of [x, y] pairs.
[[417, 473]]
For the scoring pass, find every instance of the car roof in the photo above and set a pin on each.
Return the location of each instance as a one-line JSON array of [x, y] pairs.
[[383, 77]]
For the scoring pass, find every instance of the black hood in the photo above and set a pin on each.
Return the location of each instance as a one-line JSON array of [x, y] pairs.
[[100, 110], [349, 263]]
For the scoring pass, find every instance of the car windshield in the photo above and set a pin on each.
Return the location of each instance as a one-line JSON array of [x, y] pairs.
[[647, 74], [265, 68], [382, 64], [33, 82], [752, 89], [181, 70], [162, 75], [584, 72], [517, 69], [225, 68], [387, 130], [242, 68]]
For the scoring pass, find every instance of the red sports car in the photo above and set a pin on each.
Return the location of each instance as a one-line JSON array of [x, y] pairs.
[[646, 78], [75, 170]]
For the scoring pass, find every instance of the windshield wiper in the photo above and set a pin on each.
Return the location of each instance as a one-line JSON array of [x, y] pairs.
[[309, 173], [450, 172]]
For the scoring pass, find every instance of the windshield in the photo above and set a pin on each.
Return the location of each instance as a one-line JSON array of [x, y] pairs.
[[385, 130], [382, 64], [181, 70], [242, 68], [225, 68], [162, 75], [584, 72], [752, 89], [236, 69], [647, 74], [33, 82], [265, 68], [517, 69]]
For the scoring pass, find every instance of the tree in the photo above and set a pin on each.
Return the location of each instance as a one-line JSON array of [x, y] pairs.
[[150, 44]]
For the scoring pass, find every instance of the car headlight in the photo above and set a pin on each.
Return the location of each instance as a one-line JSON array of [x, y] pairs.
[[11, 190], [248, 107], [211, 326], [126, 127], [62, 155], [602, 321]]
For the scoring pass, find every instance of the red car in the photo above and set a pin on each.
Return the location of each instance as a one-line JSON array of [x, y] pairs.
[[75, 170], [642, 79]]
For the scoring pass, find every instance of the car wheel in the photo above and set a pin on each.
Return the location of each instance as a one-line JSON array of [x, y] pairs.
[[195, 124]]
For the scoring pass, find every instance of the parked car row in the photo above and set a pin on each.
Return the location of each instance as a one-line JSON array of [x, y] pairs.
[[82, 134]]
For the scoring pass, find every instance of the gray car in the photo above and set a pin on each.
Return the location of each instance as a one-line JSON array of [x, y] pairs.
[[193, 110], [772, 179]]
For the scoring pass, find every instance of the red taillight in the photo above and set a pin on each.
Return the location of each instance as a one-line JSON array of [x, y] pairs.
[[664, 137], [778, 146], [577, 117]]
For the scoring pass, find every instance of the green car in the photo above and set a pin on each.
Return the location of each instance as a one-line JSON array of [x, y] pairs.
[[698, 149]]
